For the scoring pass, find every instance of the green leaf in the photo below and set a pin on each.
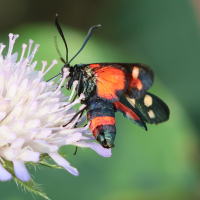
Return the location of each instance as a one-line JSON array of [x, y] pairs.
[[44, 156], [31, 186]]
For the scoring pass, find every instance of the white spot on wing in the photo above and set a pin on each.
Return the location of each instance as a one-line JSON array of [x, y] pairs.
[[148, 100], [135, 72], [151, 114], [131, 101]]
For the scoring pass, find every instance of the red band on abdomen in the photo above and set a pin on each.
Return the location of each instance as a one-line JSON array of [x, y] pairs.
[[101, 121]]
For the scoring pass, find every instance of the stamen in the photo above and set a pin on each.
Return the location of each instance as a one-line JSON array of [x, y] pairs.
[[44, 64], [23, 51], [51, 122], [25, 148], [55, 128], [75, 83], [73, 122], [61, 83], [21, 59], [15, 37], [58, 81], [82, 106], [34, 64], [58, 89], [52, 79], [22, 68], [12, 39], [28, 147], [53, 63], [63, 87], [68, 106], [82, 96], [2, 82], [2, 46], [29, 48], [34, 52]]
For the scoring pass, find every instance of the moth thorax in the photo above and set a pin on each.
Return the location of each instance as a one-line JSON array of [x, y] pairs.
[[89, 71]]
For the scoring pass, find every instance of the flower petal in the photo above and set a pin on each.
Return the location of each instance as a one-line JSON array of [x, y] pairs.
[[2, 81], [96, 147], [18, 143], [8, 153], [73, 138], [30, 156], [20, 170], [4, 174], [12, 91], [41, 146], [63, 163], [44, 133], [68, 139], [23, 85], [33, 124]]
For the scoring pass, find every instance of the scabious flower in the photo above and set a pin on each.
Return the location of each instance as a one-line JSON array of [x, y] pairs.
[[33, 113]]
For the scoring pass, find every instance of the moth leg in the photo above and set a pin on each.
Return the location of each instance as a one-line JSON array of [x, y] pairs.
[[75, 151], [78, 86], [80, 111]]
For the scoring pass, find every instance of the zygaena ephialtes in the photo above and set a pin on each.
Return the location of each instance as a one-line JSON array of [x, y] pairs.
[[111, 87]]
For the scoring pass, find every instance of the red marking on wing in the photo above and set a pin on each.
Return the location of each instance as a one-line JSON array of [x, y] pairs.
[[126, 110], [94, 66], [140, 78], [111, 82], [134, 82], [98, 121]]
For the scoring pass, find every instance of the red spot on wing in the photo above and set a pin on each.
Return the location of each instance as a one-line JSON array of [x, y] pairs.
[[111, 82], [127, 111], [98, 121], [140, 78], [94, 66], [134, 81]]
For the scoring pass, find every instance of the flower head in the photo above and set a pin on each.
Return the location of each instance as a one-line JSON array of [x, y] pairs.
[[33, 113]]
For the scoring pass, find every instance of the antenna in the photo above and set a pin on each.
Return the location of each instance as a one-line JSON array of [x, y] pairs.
[[62, 35], [56, 44], [86, 40]]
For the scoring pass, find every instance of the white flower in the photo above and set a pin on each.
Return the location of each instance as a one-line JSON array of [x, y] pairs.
[[33, 113]]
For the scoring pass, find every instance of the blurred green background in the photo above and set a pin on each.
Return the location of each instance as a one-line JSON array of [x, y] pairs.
[[162, 163]]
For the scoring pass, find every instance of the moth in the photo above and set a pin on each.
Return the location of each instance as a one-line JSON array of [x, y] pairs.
[[111, 87]]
